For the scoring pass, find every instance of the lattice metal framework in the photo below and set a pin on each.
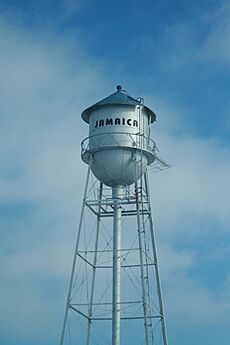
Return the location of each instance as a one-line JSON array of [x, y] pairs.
[[89, 310]]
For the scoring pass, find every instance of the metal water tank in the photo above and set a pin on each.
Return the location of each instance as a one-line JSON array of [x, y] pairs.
[[119, 147]]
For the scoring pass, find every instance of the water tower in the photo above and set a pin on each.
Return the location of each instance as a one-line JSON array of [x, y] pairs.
[[115, 293]]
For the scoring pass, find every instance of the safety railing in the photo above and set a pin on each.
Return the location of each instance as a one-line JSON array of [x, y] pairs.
[[117, 139]]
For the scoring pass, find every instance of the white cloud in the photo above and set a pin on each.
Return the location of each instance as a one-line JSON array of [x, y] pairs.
[[72, 6], [45, 84], [204, 38], [173, 261], [221, 252], [217, 42], [42, 93], [188, 300], [193, 303], [196, 186]]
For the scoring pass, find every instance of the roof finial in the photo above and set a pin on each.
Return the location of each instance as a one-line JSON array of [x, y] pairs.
[[119, 87]]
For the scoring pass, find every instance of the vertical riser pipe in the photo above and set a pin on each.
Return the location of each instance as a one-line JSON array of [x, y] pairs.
[[116, 269]]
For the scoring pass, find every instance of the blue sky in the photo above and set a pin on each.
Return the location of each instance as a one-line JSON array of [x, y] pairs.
[[58, 57]]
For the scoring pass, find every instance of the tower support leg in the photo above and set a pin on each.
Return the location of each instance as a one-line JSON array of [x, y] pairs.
[[75, 257], [157, 272], [143, 278], [94, 265]]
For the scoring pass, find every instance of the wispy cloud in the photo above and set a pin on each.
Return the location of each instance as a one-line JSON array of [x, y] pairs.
[[186, 43], [44, 86], [217, 42], [43, 89], [197, 184], [72, 6], [188, 300]]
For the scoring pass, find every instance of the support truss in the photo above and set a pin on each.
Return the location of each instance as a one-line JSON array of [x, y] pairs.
[[89, 310]]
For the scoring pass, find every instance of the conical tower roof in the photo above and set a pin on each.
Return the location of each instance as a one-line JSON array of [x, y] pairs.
[[118, 97]]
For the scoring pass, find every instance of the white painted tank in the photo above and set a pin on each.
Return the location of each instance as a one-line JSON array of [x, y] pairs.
[[119, 145]]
